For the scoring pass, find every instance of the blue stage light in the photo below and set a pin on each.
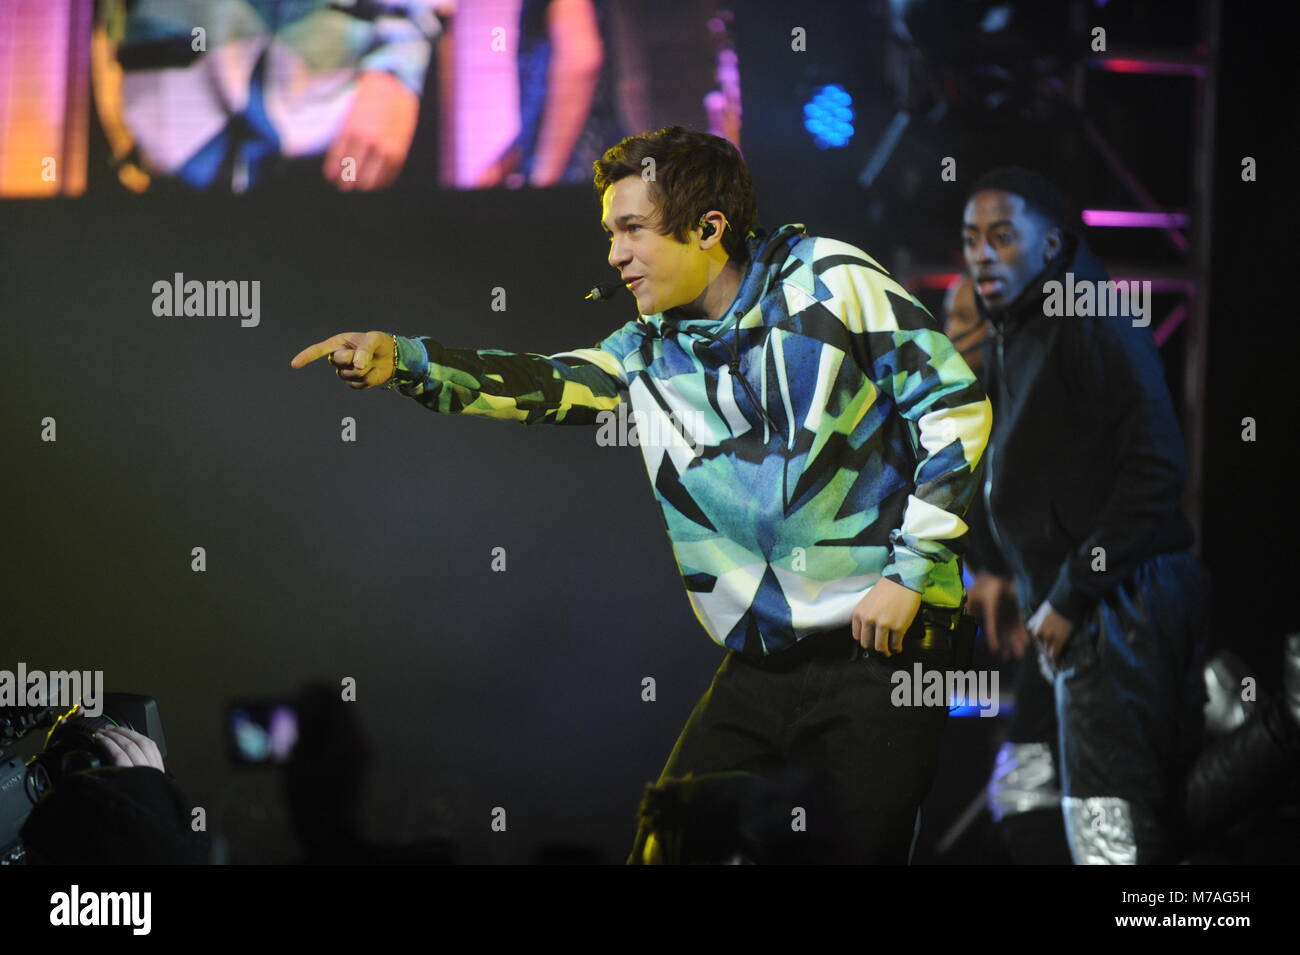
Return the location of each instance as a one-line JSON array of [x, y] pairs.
[[829, 116]]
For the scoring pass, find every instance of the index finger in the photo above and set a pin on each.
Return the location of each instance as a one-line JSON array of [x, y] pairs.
[[331, 168], [319, 350]]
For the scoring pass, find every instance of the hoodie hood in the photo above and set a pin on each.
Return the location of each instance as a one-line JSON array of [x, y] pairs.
[[766, 251]]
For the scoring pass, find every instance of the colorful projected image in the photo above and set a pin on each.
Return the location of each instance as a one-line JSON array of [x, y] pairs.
[[230, 94], [237, 96]]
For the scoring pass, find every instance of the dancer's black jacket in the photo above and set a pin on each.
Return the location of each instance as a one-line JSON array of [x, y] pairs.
[[1086, 451]]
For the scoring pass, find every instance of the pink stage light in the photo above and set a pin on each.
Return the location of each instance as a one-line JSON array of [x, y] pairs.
[[1128, 219], [1152, 66]]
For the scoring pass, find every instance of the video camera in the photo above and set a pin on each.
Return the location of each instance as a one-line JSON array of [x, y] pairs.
[[70, 747]]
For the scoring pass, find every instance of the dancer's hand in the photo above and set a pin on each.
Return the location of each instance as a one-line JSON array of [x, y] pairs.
[[362, 359], [1051, 630], [992, 599], [884, 615]]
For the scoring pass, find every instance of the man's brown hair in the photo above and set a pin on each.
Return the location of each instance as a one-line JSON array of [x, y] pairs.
[[694, 172]]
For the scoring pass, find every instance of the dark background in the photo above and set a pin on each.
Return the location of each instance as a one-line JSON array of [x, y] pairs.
[[372, 559]]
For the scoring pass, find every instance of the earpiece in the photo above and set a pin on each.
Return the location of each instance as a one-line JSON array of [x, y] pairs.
[[709, 229]]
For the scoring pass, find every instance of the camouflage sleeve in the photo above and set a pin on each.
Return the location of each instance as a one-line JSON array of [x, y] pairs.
[[571, 387]]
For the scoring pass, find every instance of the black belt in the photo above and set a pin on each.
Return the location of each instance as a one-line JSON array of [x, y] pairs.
[[839, 643]]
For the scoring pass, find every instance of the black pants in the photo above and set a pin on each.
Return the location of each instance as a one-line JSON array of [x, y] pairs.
[[1129, 695], [827, 707], [1106, 737]]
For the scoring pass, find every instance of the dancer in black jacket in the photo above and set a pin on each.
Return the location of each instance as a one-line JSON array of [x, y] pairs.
[[1083, 487]]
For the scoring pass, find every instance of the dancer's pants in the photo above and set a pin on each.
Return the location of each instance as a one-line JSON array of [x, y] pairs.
[[1129, 694]]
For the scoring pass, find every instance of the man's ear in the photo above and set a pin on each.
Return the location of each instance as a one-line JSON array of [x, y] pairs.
[[1052, 243], [708, 228]]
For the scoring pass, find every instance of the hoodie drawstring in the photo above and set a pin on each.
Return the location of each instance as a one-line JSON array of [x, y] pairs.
[[765, 260], [734, 364]]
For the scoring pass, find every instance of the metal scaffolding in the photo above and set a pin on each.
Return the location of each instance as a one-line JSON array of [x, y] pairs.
[[1201, 66]]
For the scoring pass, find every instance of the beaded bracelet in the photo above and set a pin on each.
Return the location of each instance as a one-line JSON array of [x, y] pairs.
[[392, 381]]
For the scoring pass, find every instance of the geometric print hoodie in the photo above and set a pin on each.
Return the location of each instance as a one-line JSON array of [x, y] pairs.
[[821, 435]]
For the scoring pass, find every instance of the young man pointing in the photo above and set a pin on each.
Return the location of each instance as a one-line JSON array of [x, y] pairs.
[[828, 437]]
